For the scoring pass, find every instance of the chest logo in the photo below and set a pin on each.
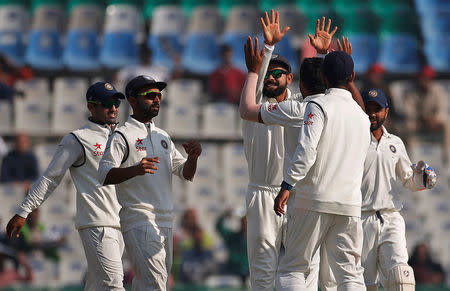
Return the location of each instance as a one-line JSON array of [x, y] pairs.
[[97, 149], [393, 149], [164, 144], [139, 145]]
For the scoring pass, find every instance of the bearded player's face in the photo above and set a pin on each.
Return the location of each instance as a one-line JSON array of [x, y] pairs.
[[148, 102], [275, 82], [377, 115]]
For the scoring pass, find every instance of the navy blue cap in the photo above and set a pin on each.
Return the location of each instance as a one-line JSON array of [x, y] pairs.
[[337, 66], [375, 95], [282, 61], [102, 91], [139, 82]]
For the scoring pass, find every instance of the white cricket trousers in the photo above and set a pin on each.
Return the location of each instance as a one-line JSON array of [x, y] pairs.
[[384, 245], [150, 252], [265, 234], [103, 247], [339, 236]]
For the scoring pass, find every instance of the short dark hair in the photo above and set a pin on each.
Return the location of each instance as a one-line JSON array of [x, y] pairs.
[[310, 75], [340, 83]]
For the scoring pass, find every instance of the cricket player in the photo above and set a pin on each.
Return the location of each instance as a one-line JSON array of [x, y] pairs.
[[384, 255], [264, 151], [140, 160], [289, 113], [327, 171], [97, 216]]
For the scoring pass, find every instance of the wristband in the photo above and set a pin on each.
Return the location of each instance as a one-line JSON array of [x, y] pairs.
[[286, 186]]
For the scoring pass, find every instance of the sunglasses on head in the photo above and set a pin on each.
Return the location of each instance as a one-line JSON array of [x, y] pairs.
[[275, 73], [150, 94], [108, 103]]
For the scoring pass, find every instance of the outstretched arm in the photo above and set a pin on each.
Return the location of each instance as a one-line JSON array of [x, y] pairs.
[[68, 152], [346, 46], [257, 64]]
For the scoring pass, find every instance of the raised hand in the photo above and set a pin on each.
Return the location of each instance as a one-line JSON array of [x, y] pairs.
[[346, 46], [253, 57], [15, 226], [147, 166], [322, 38], [271, 28], [193, 149]]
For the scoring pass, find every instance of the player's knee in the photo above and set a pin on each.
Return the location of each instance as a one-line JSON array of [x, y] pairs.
[[401, 278]]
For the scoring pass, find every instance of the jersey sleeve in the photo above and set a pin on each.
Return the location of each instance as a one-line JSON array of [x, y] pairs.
[[403, 169], [116, 151], [177, 161], [306, 152], [288, 113], [68, 153], [268, 50]]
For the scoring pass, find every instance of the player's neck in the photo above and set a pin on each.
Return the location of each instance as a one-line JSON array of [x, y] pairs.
[[378, 133], [282, 97]]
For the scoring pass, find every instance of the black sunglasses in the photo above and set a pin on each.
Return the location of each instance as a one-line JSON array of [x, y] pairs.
[[151, 95], [107, 103], [275, 73]]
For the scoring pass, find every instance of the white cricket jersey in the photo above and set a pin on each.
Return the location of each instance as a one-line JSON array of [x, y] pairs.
[[288, 114], [80, 152], [264, 145], [328, 164], [146, 199], [386, 161]]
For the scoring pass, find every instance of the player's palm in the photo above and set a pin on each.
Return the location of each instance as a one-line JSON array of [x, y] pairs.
[[322, 41], [271, 28]]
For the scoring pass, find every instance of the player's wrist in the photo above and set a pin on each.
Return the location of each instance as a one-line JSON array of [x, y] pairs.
[[286, 186]]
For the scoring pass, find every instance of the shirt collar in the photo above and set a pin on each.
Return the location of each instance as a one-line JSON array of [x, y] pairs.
[[311, 97], [97, 126], [339, 91], [150, 126], [386, 134]]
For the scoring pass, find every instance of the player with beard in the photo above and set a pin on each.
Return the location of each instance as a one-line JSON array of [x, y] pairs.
[[264, 151], [136, 150], [384, 254], [97, 216]]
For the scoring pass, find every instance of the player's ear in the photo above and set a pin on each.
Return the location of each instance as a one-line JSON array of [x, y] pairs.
[[387, 112], [352, 78], [289, 78], [132, 100]]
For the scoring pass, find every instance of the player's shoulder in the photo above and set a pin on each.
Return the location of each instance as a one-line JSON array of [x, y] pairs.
[[395, 139]]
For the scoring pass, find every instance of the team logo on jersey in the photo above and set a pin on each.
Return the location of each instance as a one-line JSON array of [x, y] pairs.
[[309, 121], [97, 149], [393, 149], [373, 93], [139, 145], [108, 86], [164, 144], [272, 107]]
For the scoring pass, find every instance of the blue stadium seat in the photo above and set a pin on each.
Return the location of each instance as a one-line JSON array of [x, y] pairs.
[[438, 53], [365, 51], [164, 48], [44, 50], [13, 19], [201, 53], [399, 53], [81, 51], [424, 6], [11, 44], [118, 50], [436, 22], [236, 41]]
